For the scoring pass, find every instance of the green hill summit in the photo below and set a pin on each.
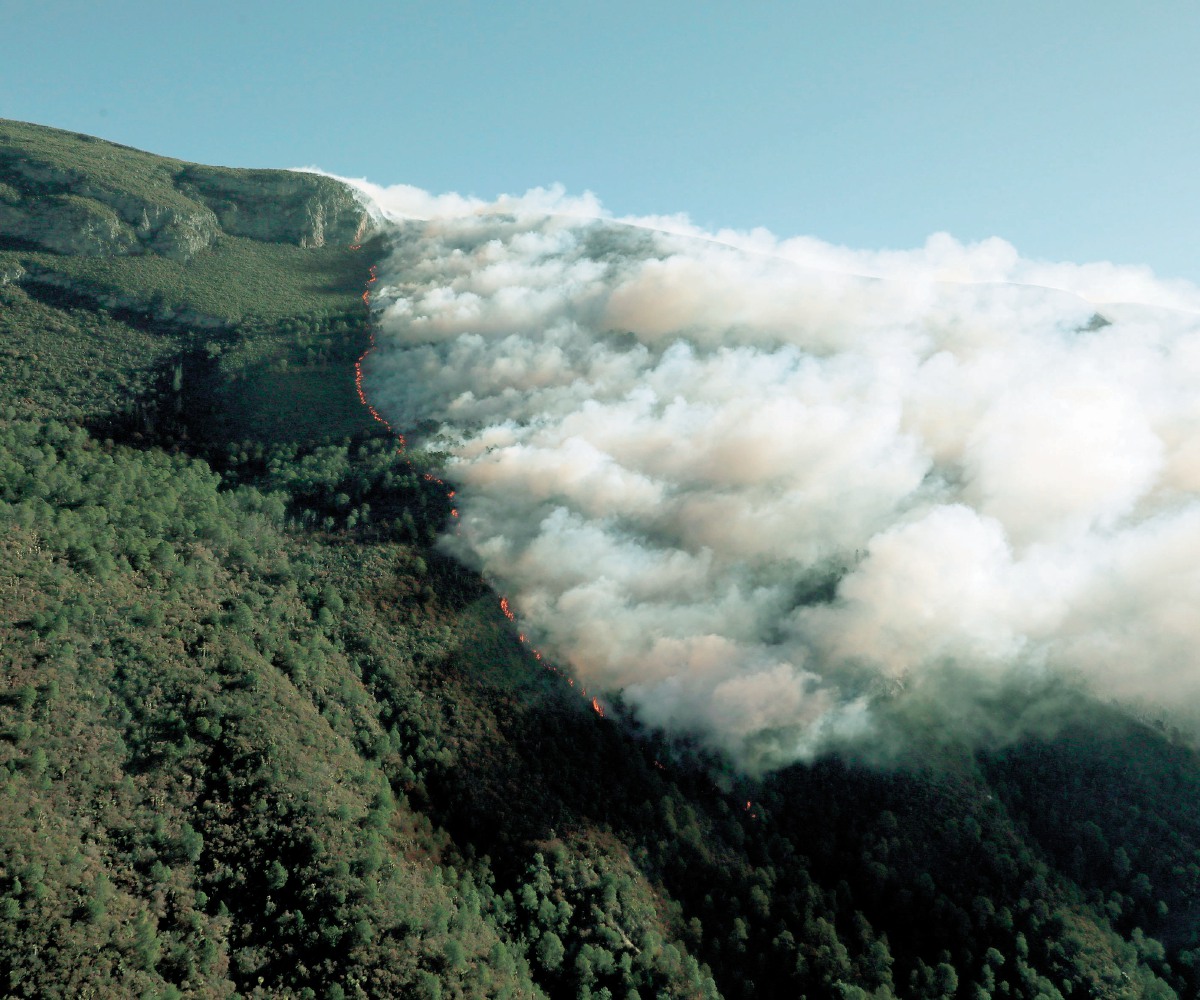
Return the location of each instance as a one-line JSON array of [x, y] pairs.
[[75, 194]]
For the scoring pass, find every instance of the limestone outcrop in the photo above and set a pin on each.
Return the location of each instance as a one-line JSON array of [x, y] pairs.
[[279, 206], [74, 194]]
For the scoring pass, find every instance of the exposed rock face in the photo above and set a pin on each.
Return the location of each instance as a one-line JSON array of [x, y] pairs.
[[67, 224], [278, 206], [177, 234], [11, 274], [66, 211], [132, 202]]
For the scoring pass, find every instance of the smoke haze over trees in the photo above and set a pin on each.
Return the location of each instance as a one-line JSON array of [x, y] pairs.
[[754, 485]]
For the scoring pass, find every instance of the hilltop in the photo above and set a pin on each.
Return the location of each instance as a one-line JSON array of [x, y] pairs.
[[259, 738]]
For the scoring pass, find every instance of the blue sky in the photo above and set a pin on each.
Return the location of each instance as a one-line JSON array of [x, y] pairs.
[[1068, 128]]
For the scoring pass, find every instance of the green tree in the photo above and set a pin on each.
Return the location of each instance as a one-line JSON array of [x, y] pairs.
[[277, 875], [551, 951]]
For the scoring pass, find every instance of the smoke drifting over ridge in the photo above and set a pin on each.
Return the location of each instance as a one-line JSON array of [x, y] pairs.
[[754, 485]]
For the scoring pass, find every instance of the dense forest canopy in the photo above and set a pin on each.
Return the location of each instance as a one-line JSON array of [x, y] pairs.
[[260, 737]]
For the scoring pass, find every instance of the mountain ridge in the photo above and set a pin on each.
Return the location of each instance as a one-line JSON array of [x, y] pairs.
[[63, 192], [259, 737]]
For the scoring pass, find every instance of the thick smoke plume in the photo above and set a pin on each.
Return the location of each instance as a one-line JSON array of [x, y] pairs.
[[758, 486]]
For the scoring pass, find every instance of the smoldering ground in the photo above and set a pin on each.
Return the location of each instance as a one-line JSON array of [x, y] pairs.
[[761, 487]]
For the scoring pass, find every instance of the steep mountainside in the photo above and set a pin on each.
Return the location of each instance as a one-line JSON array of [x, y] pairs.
[[258, 738], [75, 194]]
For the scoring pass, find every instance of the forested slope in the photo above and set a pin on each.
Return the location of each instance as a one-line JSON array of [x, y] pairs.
[[259, 738]]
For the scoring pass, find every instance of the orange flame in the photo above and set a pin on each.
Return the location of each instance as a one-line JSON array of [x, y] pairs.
[[522, 638], [362, 396], [596, 708], [358, 370]]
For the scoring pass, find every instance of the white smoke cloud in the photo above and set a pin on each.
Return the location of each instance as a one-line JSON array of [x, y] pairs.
[[752, 484]]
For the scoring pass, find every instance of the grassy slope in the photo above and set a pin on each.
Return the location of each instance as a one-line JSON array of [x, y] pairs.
[[273, 280], [89, 161], [271, 744]]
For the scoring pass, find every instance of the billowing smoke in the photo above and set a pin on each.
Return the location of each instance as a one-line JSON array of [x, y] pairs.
[[758, 486]]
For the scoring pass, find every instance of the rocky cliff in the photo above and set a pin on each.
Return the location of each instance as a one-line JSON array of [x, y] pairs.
[[75, 194], [278, 206]]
